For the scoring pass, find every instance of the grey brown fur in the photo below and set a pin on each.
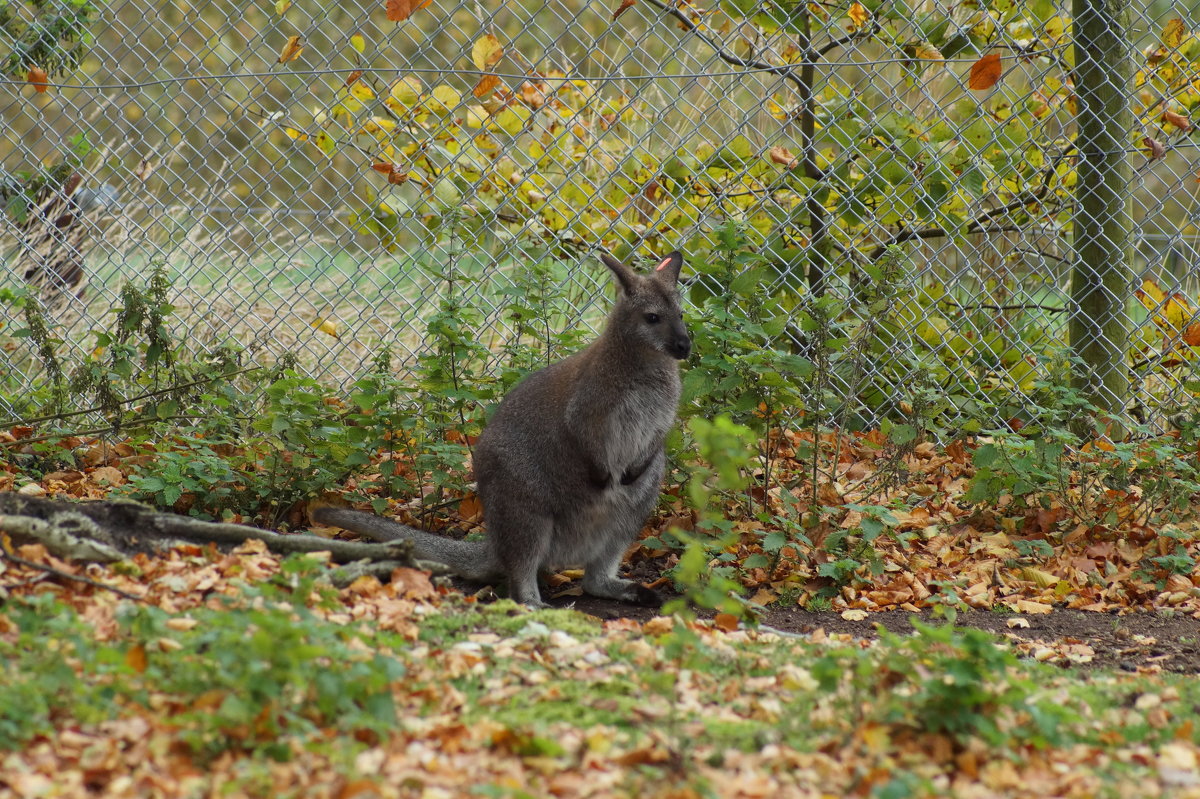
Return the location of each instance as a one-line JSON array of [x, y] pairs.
[[570, 465]]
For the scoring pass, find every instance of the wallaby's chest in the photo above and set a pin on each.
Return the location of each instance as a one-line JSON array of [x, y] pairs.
[[633, 423]]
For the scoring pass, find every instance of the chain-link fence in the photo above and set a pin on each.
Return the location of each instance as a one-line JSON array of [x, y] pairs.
[[320, 178]]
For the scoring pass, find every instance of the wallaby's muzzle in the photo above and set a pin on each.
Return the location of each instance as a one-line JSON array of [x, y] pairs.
[[680, 345]]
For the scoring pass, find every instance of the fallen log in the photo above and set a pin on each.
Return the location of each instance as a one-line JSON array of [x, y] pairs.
[[107, 530]]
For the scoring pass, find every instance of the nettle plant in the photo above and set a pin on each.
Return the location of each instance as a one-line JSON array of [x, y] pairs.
[[1060, 458]]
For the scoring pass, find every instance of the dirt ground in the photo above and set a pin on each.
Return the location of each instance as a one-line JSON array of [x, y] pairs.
[[1071, 638]]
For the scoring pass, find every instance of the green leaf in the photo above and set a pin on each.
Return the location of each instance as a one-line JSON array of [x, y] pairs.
[[774, 541], [986, 456]]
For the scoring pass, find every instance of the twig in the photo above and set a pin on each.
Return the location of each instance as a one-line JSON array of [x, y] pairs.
[[977, 224], [783, 70], [1024, 307], [136, 423], [147, 395], [4, 552]]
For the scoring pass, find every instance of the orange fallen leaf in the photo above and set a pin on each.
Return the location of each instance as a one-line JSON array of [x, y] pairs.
[[621, 9], [783, 157], [985, 72], [135, 658], [1178, 120], [470, 508], [291, 50], [1157, 150], [393, 172], [486, 85], [353, 76], [725, 621], [38, 79], [400, 10]]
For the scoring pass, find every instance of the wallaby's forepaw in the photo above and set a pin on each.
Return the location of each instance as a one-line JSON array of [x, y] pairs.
[[647, 597]]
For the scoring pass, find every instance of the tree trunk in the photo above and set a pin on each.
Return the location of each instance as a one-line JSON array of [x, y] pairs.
[[1101, 280]]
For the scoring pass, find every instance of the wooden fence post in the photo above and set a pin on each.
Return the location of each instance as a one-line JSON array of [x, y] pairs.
[[1101, 278]]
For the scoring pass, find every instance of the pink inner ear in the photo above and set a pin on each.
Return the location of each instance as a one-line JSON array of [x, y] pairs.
[[663, 264]]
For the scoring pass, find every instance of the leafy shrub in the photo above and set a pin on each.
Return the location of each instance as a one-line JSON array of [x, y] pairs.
[[1060, 456]]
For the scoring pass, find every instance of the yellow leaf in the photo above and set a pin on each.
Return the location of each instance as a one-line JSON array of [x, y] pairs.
[[927, 52], [1151, 295], [291, 50], [1172, 34], [859, 16], [378, 124], [1056, 28], [295, 135], [477, 117], [362, 91], [1178, 311], [512, 119], [326, 143], [326, 326], [406, 90], [442, 100], [985, 72], [486, 52], [359, 43], [281, 6], [1041, 579]]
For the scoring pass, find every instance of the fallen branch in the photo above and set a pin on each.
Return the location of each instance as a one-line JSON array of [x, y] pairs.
[[108, 530], [79, 578]]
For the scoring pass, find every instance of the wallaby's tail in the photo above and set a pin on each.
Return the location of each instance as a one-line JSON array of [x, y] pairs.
[[469, 559]]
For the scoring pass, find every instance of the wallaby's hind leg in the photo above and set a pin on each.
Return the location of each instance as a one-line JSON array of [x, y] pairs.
[[600, 573], [521, 542], [600, 579]]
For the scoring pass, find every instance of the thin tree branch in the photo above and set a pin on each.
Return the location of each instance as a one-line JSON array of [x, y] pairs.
[[783, 70], [147, 395], [7, 555], [977, 225], [1018, 307], [861, 33]]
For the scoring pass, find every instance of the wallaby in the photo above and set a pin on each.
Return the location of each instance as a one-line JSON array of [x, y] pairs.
[[570, 465]]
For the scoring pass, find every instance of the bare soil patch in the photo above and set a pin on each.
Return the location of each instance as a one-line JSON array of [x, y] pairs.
[[1130, 642]]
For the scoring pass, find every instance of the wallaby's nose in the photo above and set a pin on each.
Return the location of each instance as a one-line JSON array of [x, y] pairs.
[[681, 346]]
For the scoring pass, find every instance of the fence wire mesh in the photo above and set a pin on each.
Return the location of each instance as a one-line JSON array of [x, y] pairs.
[[321, 178]]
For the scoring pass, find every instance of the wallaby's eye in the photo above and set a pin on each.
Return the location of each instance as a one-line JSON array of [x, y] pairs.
[[652, 318]]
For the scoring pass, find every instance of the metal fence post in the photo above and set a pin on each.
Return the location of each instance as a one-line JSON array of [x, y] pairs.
[[1101, 278]]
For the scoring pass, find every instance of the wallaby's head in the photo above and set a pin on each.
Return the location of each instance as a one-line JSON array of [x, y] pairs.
[[648, 311]]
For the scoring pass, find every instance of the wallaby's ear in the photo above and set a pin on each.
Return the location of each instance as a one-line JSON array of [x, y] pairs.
[[625, 276], [668, 268]]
